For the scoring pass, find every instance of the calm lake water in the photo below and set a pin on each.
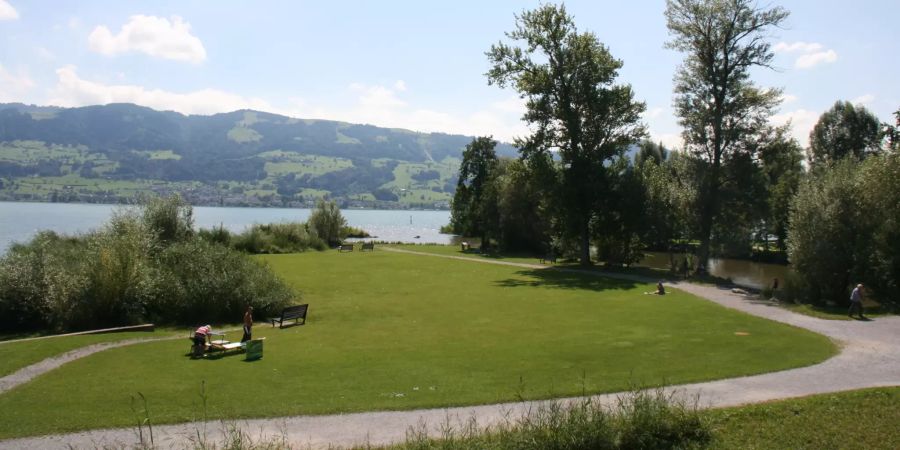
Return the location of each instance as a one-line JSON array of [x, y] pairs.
[[741, 272], [20, 221]]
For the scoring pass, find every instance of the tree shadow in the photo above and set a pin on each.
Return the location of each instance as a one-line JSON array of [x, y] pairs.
[[566, 279]]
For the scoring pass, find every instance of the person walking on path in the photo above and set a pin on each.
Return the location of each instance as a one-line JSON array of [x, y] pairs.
[[856, 301], [248, 324]]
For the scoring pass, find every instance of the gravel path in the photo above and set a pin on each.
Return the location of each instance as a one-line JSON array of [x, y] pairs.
[[870, 357], [28, 373]]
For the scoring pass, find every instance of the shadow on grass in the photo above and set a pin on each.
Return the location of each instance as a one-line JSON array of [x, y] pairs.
[[566, 279]]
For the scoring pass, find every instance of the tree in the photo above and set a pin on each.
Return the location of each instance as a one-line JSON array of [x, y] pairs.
[[575, 109], [650, 152], [522, 207], [781, 159], [327, 222], [716, 102], [845, 229], [473, 211], [844, 130], [891, 133]]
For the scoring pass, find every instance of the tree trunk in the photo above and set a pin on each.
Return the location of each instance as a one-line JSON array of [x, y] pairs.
[[585, 242]]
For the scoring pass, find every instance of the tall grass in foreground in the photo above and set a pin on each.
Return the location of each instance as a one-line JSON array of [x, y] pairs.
[[639, 420]]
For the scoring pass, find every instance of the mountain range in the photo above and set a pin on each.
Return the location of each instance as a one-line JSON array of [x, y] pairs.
[[112, 153]]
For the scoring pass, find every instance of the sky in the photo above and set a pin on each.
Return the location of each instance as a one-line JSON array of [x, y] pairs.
[[417, 65]]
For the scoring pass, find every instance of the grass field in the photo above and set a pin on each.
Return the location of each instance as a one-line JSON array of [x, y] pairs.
[[866, 419], [16, 355], [395, 331]]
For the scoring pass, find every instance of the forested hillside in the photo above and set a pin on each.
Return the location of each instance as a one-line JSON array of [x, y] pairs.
[[113, 152]]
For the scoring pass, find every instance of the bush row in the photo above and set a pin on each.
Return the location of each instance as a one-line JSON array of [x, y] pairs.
[[146, 264]]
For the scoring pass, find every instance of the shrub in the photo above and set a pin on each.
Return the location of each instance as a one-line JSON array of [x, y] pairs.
[[217, 235], [844, 229], [327, 222], [130, 271], [277, 238]]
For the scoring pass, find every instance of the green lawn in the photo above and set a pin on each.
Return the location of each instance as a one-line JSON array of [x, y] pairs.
[[866, 419], [16, 355], [455, 250], [396, 331]]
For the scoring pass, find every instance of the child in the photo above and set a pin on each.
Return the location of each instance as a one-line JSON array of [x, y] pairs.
[[248, 324]]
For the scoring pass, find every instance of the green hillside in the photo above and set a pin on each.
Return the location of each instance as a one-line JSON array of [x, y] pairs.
[[114, 152]]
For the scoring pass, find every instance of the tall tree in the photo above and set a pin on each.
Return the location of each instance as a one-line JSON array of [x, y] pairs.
[[573, 107], [844, 130], [474, 206], [718, 105]]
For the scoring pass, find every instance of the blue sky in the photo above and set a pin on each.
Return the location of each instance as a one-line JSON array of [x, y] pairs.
[[406, 64]]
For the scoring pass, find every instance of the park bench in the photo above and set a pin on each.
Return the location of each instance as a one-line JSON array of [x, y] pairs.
[[551, 259], [295, 313], [370, 246], [346, 248]]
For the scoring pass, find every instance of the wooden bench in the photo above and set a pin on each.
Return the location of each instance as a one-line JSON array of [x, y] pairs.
[[370, 246], [551, 258], [296, 313], [346, 248]]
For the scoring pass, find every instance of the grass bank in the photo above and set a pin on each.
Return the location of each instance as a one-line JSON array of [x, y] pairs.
[[15, 355], [392, 331]]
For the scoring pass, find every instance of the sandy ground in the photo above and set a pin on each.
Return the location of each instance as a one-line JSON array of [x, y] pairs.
[[869, 357]]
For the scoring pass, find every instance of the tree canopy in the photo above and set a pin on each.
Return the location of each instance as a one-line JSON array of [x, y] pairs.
[[844, 130], [577, 112], [717, 103]]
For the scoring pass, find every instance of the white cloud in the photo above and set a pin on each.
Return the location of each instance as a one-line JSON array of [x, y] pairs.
[[653, 113], [799, 46], [811, 53], [72, 90], [383, 106], [788, 98], [671, 141], [44, 54], [155, 36], [13, 85], [813, 59], [371, 104], [513, 104], [802, 122], [400, 85], [7, 12], [863, 99]]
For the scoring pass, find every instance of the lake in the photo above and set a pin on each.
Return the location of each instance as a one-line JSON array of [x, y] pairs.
[[20, 221]]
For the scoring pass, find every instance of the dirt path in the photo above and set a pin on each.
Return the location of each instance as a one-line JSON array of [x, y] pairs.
[[870, 357]]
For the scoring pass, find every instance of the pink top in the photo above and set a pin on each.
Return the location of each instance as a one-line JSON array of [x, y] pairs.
[[204, 330]]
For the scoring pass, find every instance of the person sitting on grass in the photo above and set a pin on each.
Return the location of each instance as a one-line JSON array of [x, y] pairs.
[[660, 290]]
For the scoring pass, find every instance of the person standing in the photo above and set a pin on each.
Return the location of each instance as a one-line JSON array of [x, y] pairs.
[[248, 324], [856, 301]]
